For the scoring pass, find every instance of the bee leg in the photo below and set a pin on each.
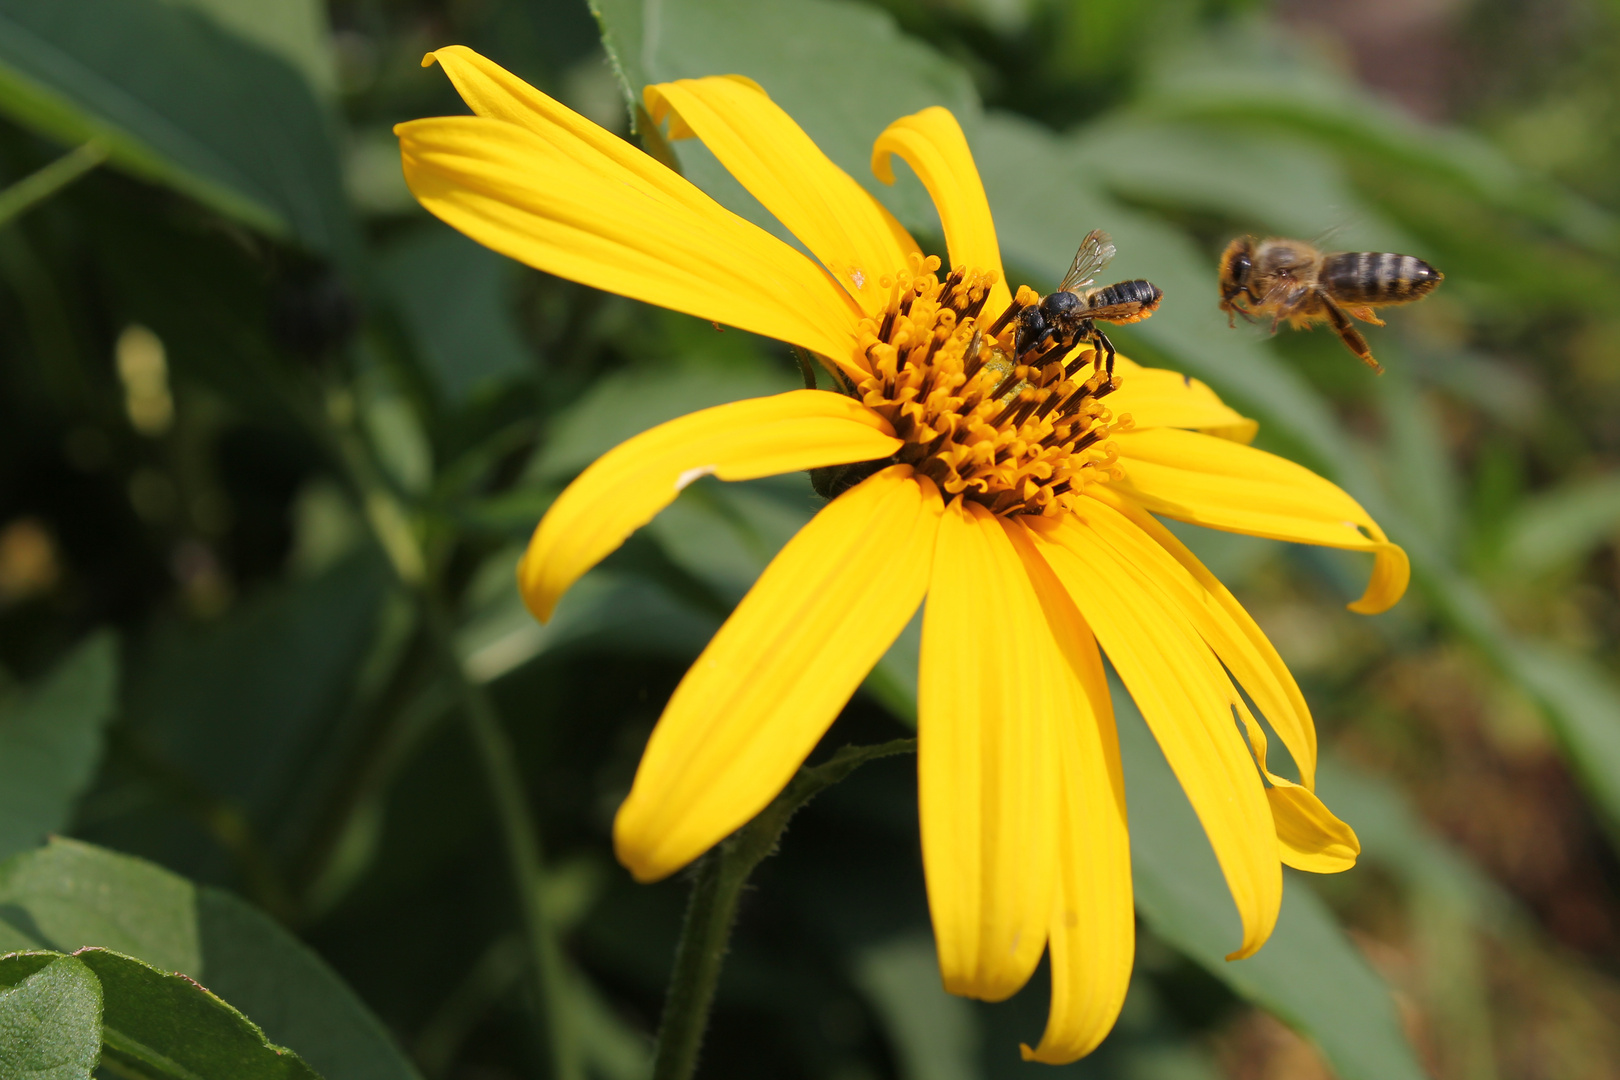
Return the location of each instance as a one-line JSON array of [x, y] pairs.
[[1366, 315], [1100, 339], [1348, 333]]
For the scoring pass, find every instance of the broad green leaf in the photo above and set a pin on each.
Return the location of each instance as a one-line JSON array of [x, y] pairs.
[[1308, 974], [1561, 526], [50, 1021], [70, 895], [935, 1036], [50, 741], [453, 295], [165, 1025], [295, 30], [240, 703], [1253, 77], [177, 100], [623, 405]]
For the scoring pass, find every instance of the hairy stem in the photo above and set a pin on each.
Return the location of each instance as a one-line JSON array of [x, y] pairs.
[[712, 910]]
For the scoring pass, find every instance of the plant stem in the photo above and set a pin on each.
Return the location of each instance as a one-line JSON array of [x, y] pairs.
[[712, 910], [392, 528], [513, 811]]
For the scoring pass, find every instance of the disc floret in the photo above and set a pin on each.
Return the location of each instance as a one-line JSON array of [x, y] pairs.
[[1019, 434]]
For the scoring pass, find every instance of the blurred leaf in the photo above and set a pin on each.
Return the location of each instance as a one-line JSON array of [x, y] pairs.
[[50, 1022], [627, 404], [164, 1025], [1252, 76], [1291, 187], [935, 1036], [1561, 527], [453, 296], [177, 100], [240, 703], [69, 895], [1417, 463], [881, 76], [50, 741], [295, 30], [1308, 974]]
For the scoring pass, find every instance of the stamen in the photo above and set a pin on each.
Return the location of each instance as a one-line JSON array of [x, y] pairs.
[[1018, 438]]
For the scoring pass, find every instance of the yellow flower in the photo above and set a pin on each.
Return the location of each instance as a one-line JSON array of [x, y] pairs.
[[1019, 499]]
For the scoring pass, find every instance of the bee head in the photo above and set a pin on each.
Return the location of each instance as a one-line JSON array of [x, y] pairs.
[[1237, 262]]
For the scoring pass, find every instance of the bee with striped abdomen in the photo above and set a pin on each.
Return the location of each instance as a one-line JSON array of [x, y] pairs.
[[1071, 314], [1290, 279]]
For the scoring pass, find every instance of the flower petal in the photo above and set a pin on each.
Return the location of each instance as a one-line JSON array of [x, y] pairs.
[[766, 688], [1228, 629], [991, 686], [1157, 397], [1310, 837], [611, 217], [855, 238], [1224, 485], [624, 488], [1093, 929], [932, 143], [1187, 702]]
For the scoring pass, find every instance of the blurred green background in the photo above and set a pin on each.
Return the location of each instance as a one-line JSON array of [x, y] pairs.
[[271, 438]]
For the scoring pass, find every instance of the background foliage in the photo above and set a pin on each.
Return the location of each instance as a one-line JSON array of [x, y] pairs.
[[270, 439]]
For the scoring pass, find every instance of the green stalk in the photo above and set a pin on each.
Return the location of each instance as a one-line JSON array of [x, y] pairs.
[[498, 757], [712, 910], [392, 528], [38, 186]]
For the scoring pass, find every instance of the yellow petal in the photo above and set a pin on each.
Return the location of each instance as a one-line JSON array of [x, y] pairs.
[[991, 686], [855, 238], [762, 694], [1228, 629], [1157, 397], [932, 143], [1093, 929], [1224, 485], [1310, 836], [624, 488], [557, 202], [1187, 702]]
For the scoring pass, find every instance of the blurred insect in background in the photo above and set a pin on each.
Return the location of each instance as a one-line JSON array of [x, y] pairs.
[[1070, 315], [1290, 279]]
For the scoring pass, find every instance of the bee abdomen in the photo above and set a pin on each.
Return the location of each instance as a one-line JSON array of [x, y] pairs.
[[1127, 292], [1377, 277]]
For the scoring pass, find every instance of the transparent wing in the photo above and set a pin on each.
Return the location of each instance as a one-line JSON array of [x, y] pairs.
[[1095, 252]]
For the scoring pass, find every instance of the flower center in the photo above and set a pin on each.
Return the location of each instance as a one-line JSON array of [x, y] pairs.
[[1018, 434]]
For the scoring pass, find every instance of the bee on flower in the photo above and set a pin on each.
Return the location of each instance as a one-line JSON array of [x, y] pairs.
[[1019, 506]]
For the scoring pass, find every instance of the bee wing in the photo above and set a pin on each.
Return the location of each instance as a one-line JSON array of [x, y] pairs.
[[1096, 250]]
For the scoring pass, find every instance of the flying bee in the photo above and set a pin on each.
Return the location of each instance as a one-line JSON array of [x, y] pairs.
[[1290, 279], [1071, 314]]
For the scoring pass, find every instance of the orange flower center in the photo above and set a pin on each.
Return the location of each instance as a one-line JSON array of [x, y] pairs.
[[1018, 434]]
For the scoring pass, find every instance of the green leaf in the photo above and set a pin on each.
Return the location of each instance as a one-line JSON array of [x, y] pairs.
[[70, 895], [51, 742], [935, 1036], [237, 706], [1308, 975], [50, 1021], [177, 100], [454, 297], [295, 30], [1562, 526], [162, 1024]]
